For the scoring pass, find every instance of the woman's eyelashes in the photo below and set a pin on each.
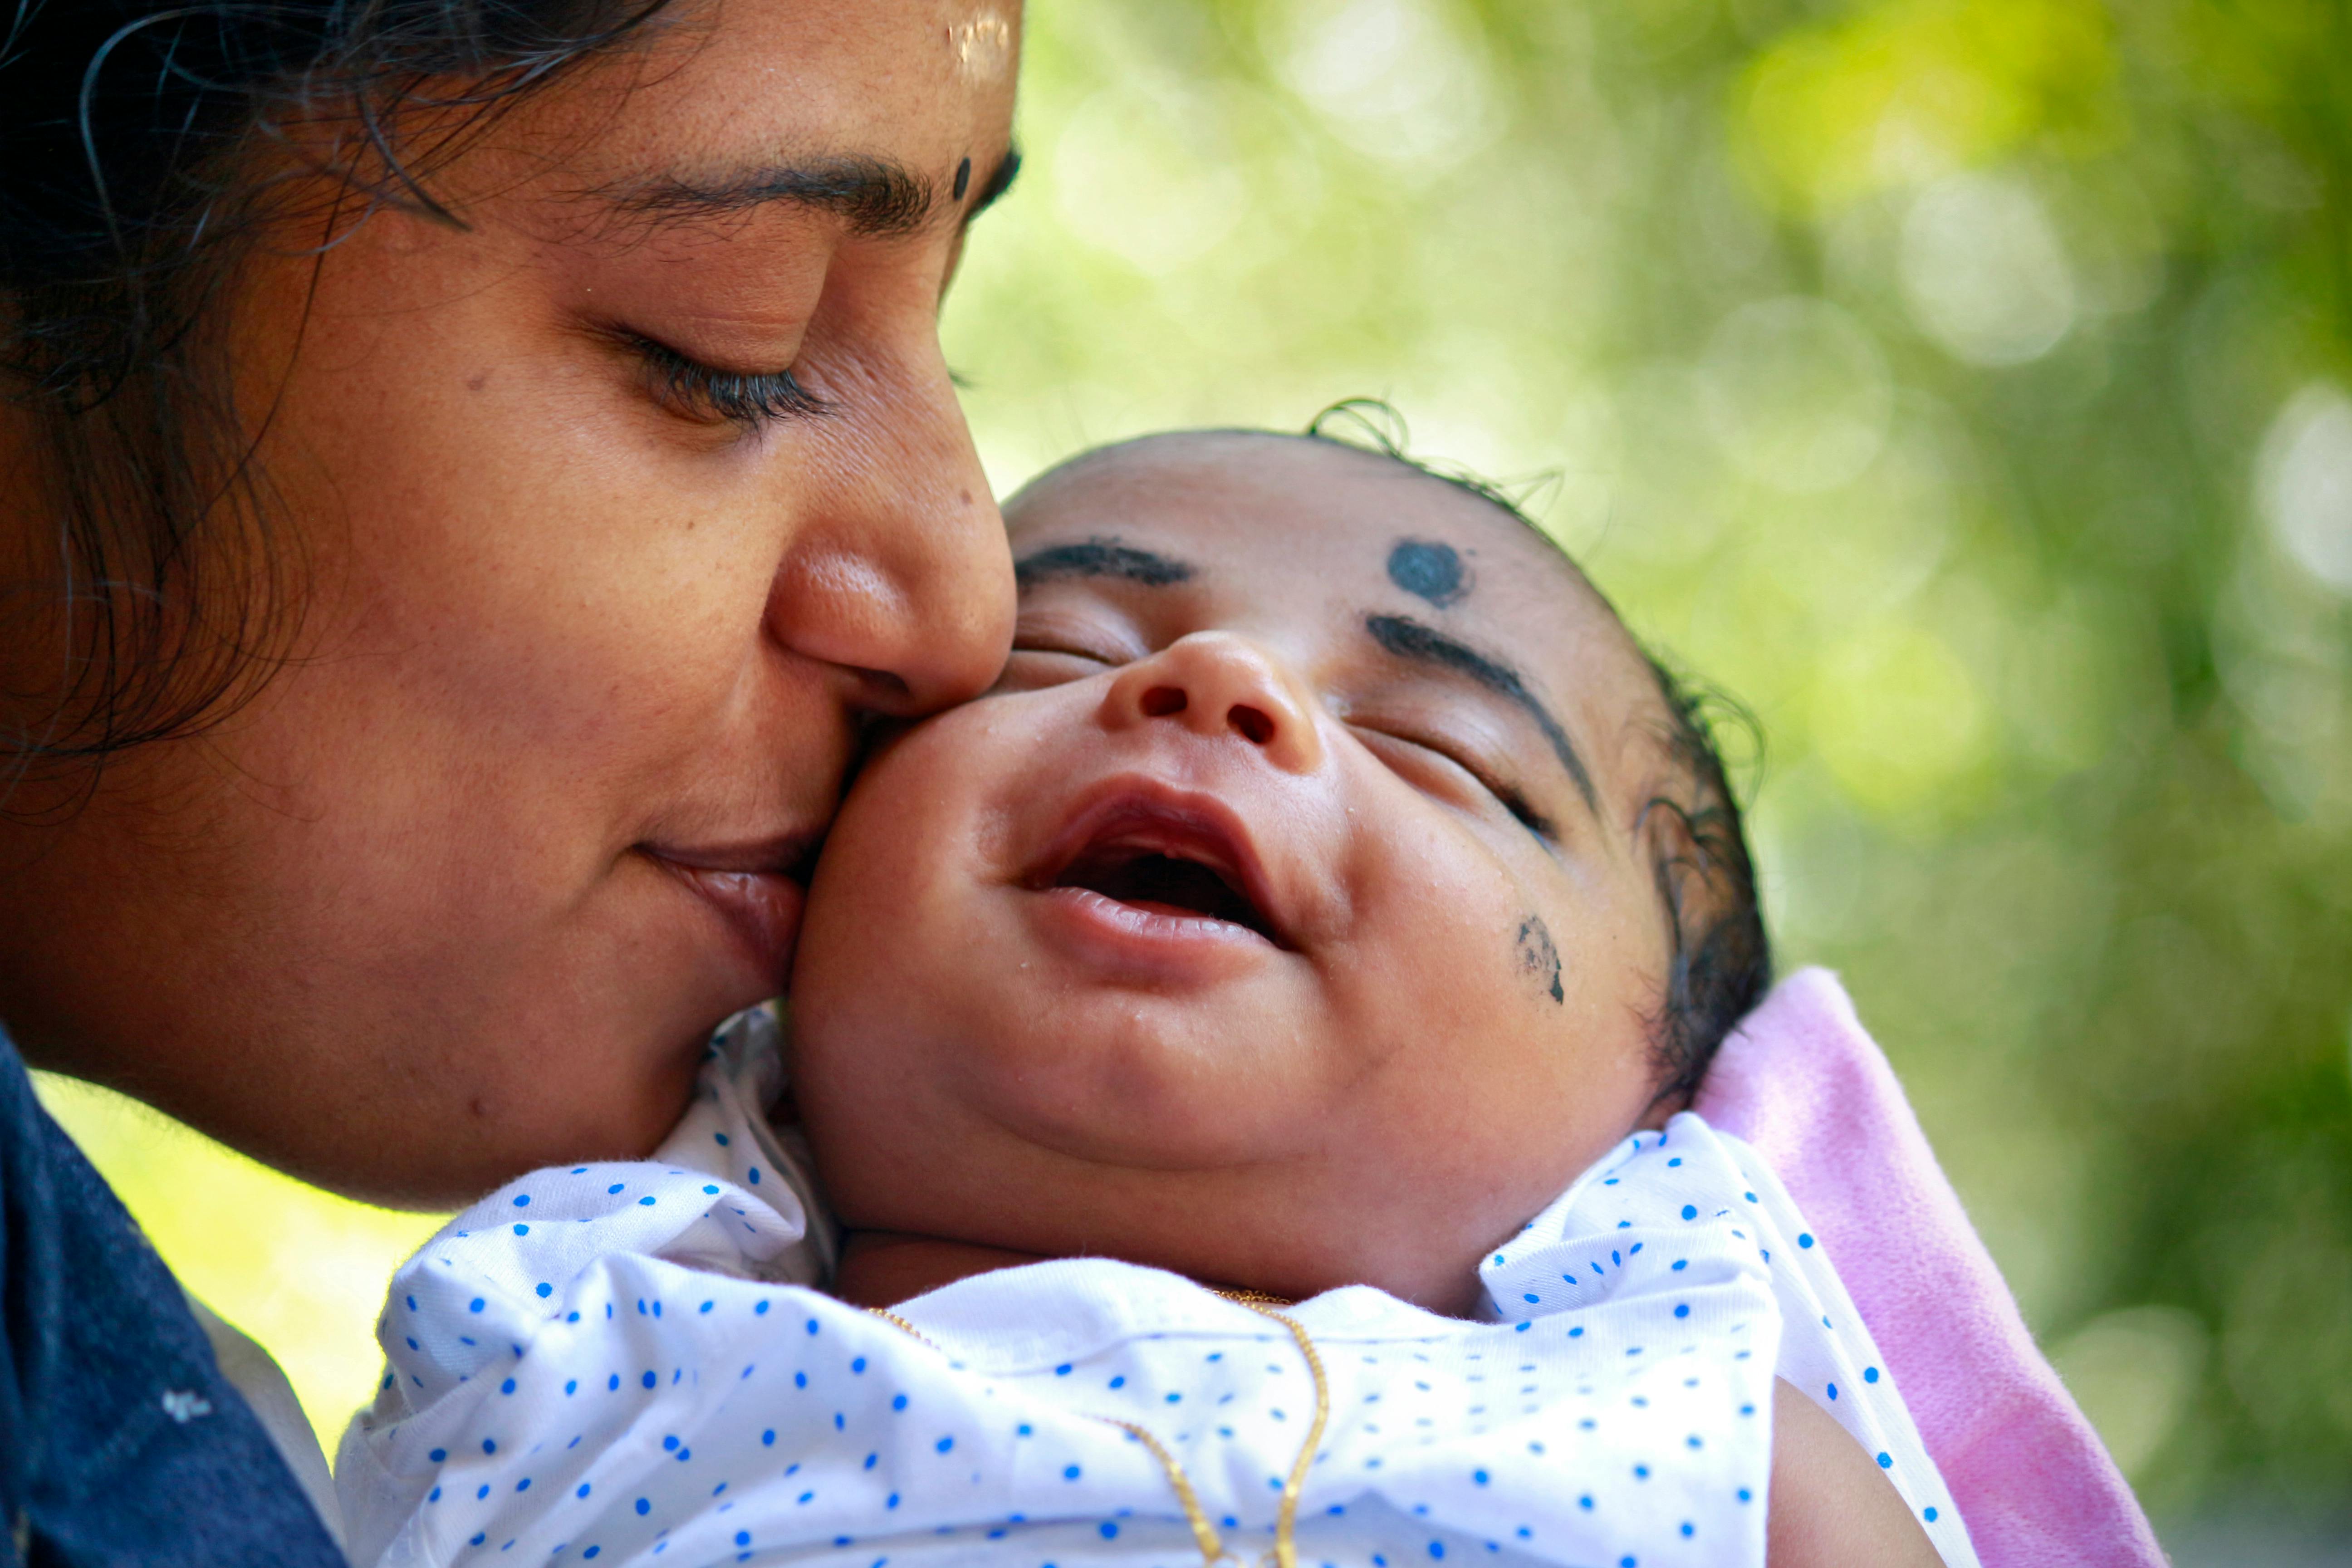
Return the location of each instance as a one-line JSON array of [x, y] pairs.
[[1507, 796], [687, 386]]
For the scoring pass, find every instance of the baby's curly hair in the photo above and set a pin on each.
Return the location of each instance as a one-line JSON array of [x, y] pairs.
[[1722, 961]]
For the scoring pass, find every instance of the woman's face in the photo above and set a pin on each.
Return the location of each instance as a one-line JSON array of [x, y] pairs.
[[597, 597]]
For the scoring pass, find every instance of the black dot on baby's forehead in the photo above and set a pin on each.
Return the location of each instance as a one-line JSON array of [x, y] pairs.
[[1429, 570]]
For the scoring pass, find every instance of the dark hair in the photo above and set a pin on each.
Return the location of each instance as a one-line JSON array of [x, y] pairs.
[[140, 147], [1722, 961]]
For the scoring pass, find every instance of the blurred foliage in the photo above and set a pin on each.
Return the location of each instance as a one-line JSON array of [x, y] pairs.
[[1965, 385]]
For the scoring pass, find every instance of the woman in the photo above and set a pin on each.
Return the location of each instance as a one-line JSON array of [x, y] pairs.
[[468, 470]]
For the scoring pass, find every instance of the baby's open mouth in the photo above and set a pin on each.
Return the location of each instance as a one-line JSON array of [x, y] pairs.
[[1163, 884], [1156, 857]]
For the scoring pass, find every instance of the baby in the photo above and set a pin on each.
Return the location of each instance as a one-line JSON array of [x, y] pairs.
[[1243, 1053]]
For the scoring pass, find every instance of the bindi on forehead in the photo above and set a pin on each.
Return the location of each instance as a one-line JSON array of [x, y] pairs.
[[1430, 571]]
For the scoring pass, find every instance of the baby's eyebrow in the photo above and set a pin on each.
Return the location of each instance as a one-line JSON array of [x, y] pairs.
[[1409, 639], [1100, 557]]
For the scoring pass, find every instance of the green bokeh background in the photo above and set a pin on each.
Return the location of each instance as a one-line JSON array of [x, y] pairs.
[[1966, 385]]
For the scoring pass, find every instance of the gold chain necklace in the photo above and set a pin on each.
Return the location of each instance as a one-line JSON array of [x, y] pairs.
[[1214, 1550]]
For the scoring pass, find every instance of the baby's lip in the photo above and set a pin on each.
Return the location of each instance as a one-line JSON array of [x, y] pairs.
[[1138, 816]]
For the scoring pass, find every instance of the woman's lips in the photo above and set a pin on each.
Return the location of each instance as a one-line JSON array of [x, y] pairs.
[[759, 889]]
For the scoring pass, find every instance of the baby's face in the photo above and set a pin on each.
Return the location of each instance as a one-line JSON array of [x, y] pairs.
[[1282, 917]]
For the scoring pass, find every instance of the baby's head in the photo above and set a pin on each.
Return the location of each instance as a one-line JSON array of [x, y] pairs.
[[1329, 879]]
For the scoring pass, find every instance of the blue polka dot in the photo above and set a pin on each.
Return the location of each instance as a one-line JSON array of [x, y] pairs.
[[1690, 1211], [669, 1444], [522, 1200], [1070, 1472], [1681, 1263], [490, 1446], [722, 1139], [858, 1365], [1804, 1239], [812, 1325], [523, 1485], [481, 1491], [1870, 1374], [944, 1444], [616, 1186], [583, 1491], [591, 1552], [475, 1305], [768, 1438], [897, 1402], [1585, 1502], [760, 1309], [1682, 1310], [1833, 1390], [1885, 1461], [1746, 1496], [1577, 1332], [743, 1538], [709, 1189], [1109, 1529], [1688, 1529], [1640, 1472], [437, 1455], [1530, 1297], [1063, 1370], [649, 1379], [645, 1506], [612, 1381], [1437, 1549], [755, 1176], [1119, 1381], [645, 1202], [545, 1289], [507, 1387]]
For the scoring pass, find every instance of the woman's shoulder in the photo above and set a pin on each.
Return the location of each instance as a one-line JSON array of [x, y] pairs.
[[118, 1431]]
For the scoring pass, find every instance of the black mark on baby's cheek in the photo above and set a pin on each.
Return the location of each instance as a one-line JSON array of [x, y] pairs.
[[1428, 570], [1539, 958]]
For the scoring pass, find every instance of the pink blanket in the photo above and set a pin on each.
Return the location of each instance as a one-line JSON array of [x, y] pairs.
[[1802, 1082]]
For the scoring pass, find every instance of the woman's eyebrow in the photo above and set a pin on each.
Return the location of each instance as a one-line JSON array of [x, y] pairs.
[[1425, 645], [876, 197], [1100, 557]]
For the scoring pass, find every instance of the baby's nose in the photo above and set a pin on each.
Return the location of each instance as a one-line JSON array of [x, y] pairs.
[[1219, 683]]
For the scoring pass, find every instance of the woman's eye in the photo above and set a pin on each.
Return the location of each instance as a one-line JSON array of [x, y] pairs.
[[1503, 794], [688, 386]]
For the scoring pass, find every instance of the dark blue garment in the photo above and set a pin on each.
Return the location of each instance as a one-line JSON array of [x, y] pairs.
[[120, 1443]]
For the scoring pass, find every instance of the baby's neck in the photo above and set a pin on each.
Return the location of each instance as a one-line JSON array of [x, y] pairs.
[[884, 1267]]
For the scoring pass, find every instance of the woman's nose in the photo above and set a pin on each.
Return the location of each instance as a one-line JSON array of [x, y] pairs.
[[1221, 684], [903, 577]]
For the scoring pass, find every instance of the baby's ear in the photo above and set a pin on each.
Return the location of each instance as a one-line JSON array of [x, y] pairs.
[[1717, 956]]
